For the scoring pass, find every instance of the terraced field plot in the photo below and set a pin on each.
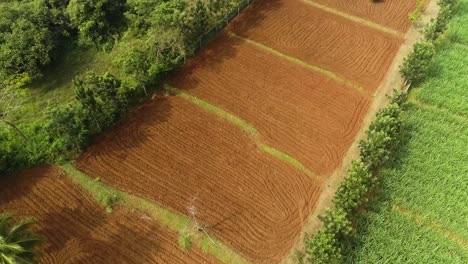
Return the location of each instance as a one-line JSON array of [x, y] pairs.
[[80, 231], [190, 155], [267, 112], [389, 13], [351, 50], [301, 112]]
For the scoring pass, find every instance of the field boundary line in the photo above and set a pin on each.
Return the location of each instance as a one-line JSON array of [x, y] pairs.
[[432, 107], [173, 221], [418, 219], [248, 128], [288, 159], [356, 19], [328, 73]]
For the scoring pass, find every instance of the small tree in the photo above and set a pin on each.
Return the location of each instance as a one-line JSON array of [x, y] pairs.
[[416, 65], [18, 244]]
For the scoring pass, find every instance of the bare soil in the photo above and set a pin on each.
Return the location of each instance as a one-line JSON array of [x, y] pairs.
[[303, 113], [354, 51], [177, 154], [389, 13], [78, 230]]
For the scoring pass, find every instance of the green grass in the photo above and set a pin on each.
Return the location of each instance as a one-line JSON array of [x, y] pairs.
[[213, 109], [447, 88], [387, 236], [302, 63], [287, 159], [55, 87], [176, 222], [429, 176]]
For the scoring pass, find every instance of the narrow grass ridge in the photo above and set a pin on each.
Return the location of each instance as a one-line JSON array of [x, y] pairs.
[[356, 19], [287, 159], [328, 73], [174, 221], [213, 109]]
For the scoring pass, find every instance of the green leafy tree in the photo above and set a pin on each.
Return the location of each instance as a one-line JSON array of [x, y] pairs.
[[26, 42], [103, 97], [18, 244], [416, 65], [351, 193], [325, 247], [96, 20]]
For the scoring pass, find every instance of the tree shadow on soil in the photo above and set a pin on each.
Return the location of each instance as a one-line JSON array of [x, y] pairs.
[[380, 200], [132, 132], [223, 46], [15, 186]]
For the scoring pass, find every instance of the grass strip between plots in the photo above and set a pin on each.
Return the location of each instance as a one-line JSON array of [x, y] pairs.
[[420, 220], [356, 19], [287, 158], [251, 130], [174, 221], [328, 73], [213, 109]]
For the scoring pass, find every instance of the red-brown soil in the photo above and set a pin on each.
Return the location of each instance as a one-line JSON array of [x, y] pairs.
[[352, 50], [303, 113], [390, 13], [79, 231], [175, 153]]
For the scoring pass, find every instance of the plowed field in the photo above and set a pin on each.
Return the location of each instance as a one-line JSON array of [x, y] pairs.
[[176, 153], [389, 13], [303, 113], [79, 231], [354, 51]]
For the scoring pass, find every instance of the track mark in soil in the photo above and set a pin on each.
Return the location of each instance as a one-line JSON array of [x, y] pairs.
[[328, 73], [420, 220], [172, 220], [356, 19]]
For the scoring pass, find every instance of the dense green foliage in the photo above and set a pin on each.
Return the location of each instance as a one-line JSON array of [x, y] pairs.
[[17, 243], [96, 20], [146, 39], [415, 67], [422, 196]]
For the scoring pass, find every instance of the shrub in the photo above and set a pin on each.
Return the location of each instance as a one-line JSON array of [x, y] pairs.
[[437, 26], [185, 240], [351, 193], [325, 247], [416, 65], [416, 13]]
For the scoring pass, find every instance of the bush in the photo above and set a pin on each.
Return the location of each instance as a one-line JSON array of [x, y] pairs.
[[185, 240], [351, 193], [437, 26], [325, 247], [416, 13], [416, 65]]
